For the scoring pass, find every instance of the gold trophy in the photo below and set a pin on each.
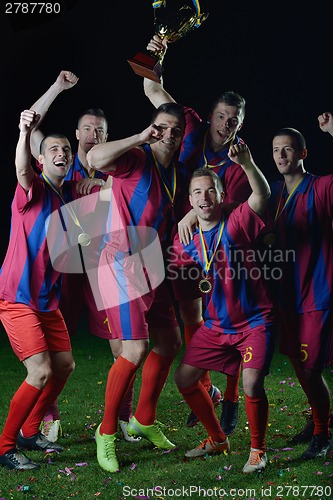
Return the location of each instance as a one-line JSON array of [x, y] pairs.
[[172, 23]]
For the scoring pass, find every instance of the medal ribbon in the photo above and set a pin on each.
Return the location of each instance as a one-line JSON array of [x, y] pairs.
[[208, 263], [277, 213], [173, 181], [158, 3], [206, 165], [68, 207]]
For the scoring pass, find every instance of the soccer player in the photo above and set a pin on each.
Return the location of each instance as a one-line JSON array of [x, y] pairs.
[[239, 314], [206, 145], [29, 295], [302, 206], [76, 293], [148, 189]]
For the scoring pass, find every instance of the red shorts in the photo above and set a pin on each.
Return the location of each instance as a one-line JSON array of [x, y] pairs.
[[31, 332], [131, 320], [308, 337], [211, 350], [76, 294]]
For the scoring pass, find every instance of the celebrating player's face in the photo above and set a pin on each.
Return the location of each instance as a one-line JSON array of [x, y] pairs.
[[287, 156], [56, 158], [225, 122], [205, 198], [91, 130], [171, 131]]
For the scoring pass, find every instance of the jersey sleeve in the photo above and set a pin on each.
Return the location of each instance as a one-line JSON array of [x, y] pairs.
[[244, 225], [178, 256], [236, 185], [324, 189], [128, 162], [23, 200]]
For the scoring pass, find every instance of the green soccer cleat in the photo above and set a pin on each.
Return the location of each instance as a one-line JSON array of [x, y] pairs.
[[152, 433], [106, 451]]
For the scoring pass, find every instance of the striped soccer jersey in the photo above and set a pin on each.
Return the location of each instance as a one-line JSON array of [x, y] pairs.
[[304, 227], [239, 299]]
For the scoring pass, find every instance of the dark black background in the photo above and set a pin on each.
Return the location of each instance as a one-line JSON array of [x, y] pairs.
[[277, 55]]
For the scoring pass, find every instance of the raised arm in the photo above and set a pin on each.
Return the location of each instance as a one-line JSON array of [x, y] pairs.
[[326, 122], [102, 156], [240, 153], [65, 80], [24, 171], [153, 90]]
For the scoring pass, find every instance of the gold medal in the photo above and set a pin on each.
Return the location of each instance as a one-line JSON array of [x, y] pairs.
[[84, 239], [205, 285], [269, 239]]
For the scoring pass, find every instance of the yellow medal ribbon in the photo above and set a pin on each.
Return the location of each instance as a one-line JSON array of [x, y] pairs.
[[174, 179], [84, 239], [277, 213], [206, 164], [208, 263]]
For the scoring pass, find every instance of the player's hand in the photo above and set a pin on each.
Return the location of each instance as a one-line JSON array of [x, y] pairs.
[[157, 45], [326, 122], [85, 186], [28, 121], [151, 134], [66, 80], [187, 226], [239, 153]]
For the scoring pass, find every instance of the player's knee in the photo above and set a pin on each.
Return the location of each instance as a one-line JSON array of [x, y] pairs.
[[63, 367], [39, 376], [184, 378], [179, 376]]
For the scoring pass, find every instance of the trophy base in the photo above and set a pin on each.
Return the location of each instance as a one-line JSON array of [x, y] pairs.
[[147, 66]]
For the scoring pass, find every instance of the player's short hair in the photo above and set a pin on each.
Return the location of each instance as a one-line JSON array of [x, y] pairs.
[[207, 172], [230, 98], [98, 112], [295, 134], [170, 108], [55, 135]]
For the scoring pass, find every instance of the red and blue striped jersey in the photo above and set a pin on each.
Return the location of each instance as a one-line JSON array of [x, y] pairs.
[[27, 275], [193, 153], [139, 197], [304, 228], [77, 171], [239, 299]]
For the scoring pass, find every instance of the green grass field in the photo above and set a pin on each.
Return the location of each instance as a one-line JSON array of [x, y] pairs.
[[147, 473]]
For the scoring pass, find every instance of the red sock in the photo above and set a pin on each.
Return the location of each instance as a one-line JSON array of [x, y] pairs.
[[48, 395], [201, 404], [119, 379], [190, 329], [321, 418], [126, 407], [257, 415], [52, 413], [21, 405], [231, 390], [154, 374], [206, 381]]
